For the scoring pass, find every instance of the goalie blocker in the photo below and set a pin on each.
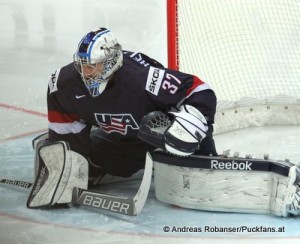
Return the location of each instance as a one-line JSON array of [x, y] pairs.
[[228, 184]]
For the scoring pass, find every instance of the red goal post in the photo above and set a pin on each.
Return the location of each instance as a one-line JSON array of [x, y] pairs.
[[248, 51], [172, 34]]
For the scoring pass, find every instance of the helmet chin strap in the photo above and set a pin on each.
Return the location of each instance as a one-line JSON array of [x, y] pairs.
[[96, 84], [96, 87]]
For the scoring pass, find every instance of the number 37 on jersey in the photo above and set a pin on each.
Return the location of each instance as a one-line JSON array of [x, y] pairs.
[[157, 79]]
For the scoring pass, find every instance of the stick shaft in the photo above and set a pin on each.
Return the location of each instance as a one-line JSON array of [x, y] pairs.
[[19, 183]]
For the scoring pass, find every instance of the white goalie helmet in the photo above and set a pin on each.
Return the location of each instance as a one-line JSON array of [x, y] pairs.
[[95, 48]]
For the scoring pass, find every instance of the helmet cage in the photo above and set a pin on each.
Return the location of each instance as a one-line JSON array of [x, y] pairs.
[[98, 47], [87, 78]]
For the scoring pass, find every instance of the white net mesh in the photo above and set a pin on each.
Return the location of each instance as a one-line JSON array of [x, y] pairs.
[[249, 51]]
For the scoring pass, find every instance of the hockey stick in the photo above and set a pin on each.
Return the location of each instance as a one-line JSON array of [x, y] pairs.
[[123, 205], [18, 183]]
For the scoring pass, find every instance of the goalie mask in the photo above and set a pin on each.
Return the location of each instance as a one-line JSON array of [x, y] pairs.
[[98, 56]]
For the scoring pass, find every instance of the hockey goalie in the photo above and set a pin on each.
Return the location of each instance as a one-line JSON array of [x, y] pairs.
[[216, 183], [95, 106], [118, 92]]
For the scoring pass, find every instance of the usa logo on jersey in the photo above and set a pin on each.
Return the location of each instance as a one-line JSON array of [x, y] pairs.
[[116, 122]]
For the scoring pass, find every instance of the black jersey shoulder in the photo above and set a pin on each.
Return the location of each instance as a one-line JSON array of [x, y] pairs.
[[135, 69], [142, 59], [68, 76], [66, 79]]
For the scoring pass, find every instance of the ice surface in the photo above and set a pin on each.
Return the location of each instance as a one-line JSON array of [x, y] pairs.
[[19, 224]]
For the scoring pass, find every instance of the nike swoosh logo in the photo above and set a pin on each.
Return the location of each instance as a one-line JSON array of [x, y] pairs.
[[81, 96]]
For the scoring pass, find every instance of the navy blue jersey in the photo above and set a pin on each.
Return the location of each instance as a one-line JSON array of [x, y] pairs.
[[140, 86]]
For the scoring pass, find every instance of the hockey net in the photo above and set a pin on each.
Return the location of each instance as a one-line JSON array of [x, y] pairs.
[[247, 50]]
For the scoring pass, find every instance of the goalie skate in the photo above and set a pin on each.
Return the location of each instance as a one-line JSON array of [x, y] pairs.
[[228, 184]]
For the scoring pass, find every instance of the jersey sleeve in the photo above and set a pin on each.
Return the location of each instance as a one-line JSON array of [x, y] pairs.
[[63, 123], [170, 88]]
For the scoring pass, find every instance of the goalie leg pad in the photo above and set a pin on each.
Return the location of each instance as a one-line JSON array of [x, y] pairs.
[[37, 142], [60, 170], [240, 191], [287, 193]]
